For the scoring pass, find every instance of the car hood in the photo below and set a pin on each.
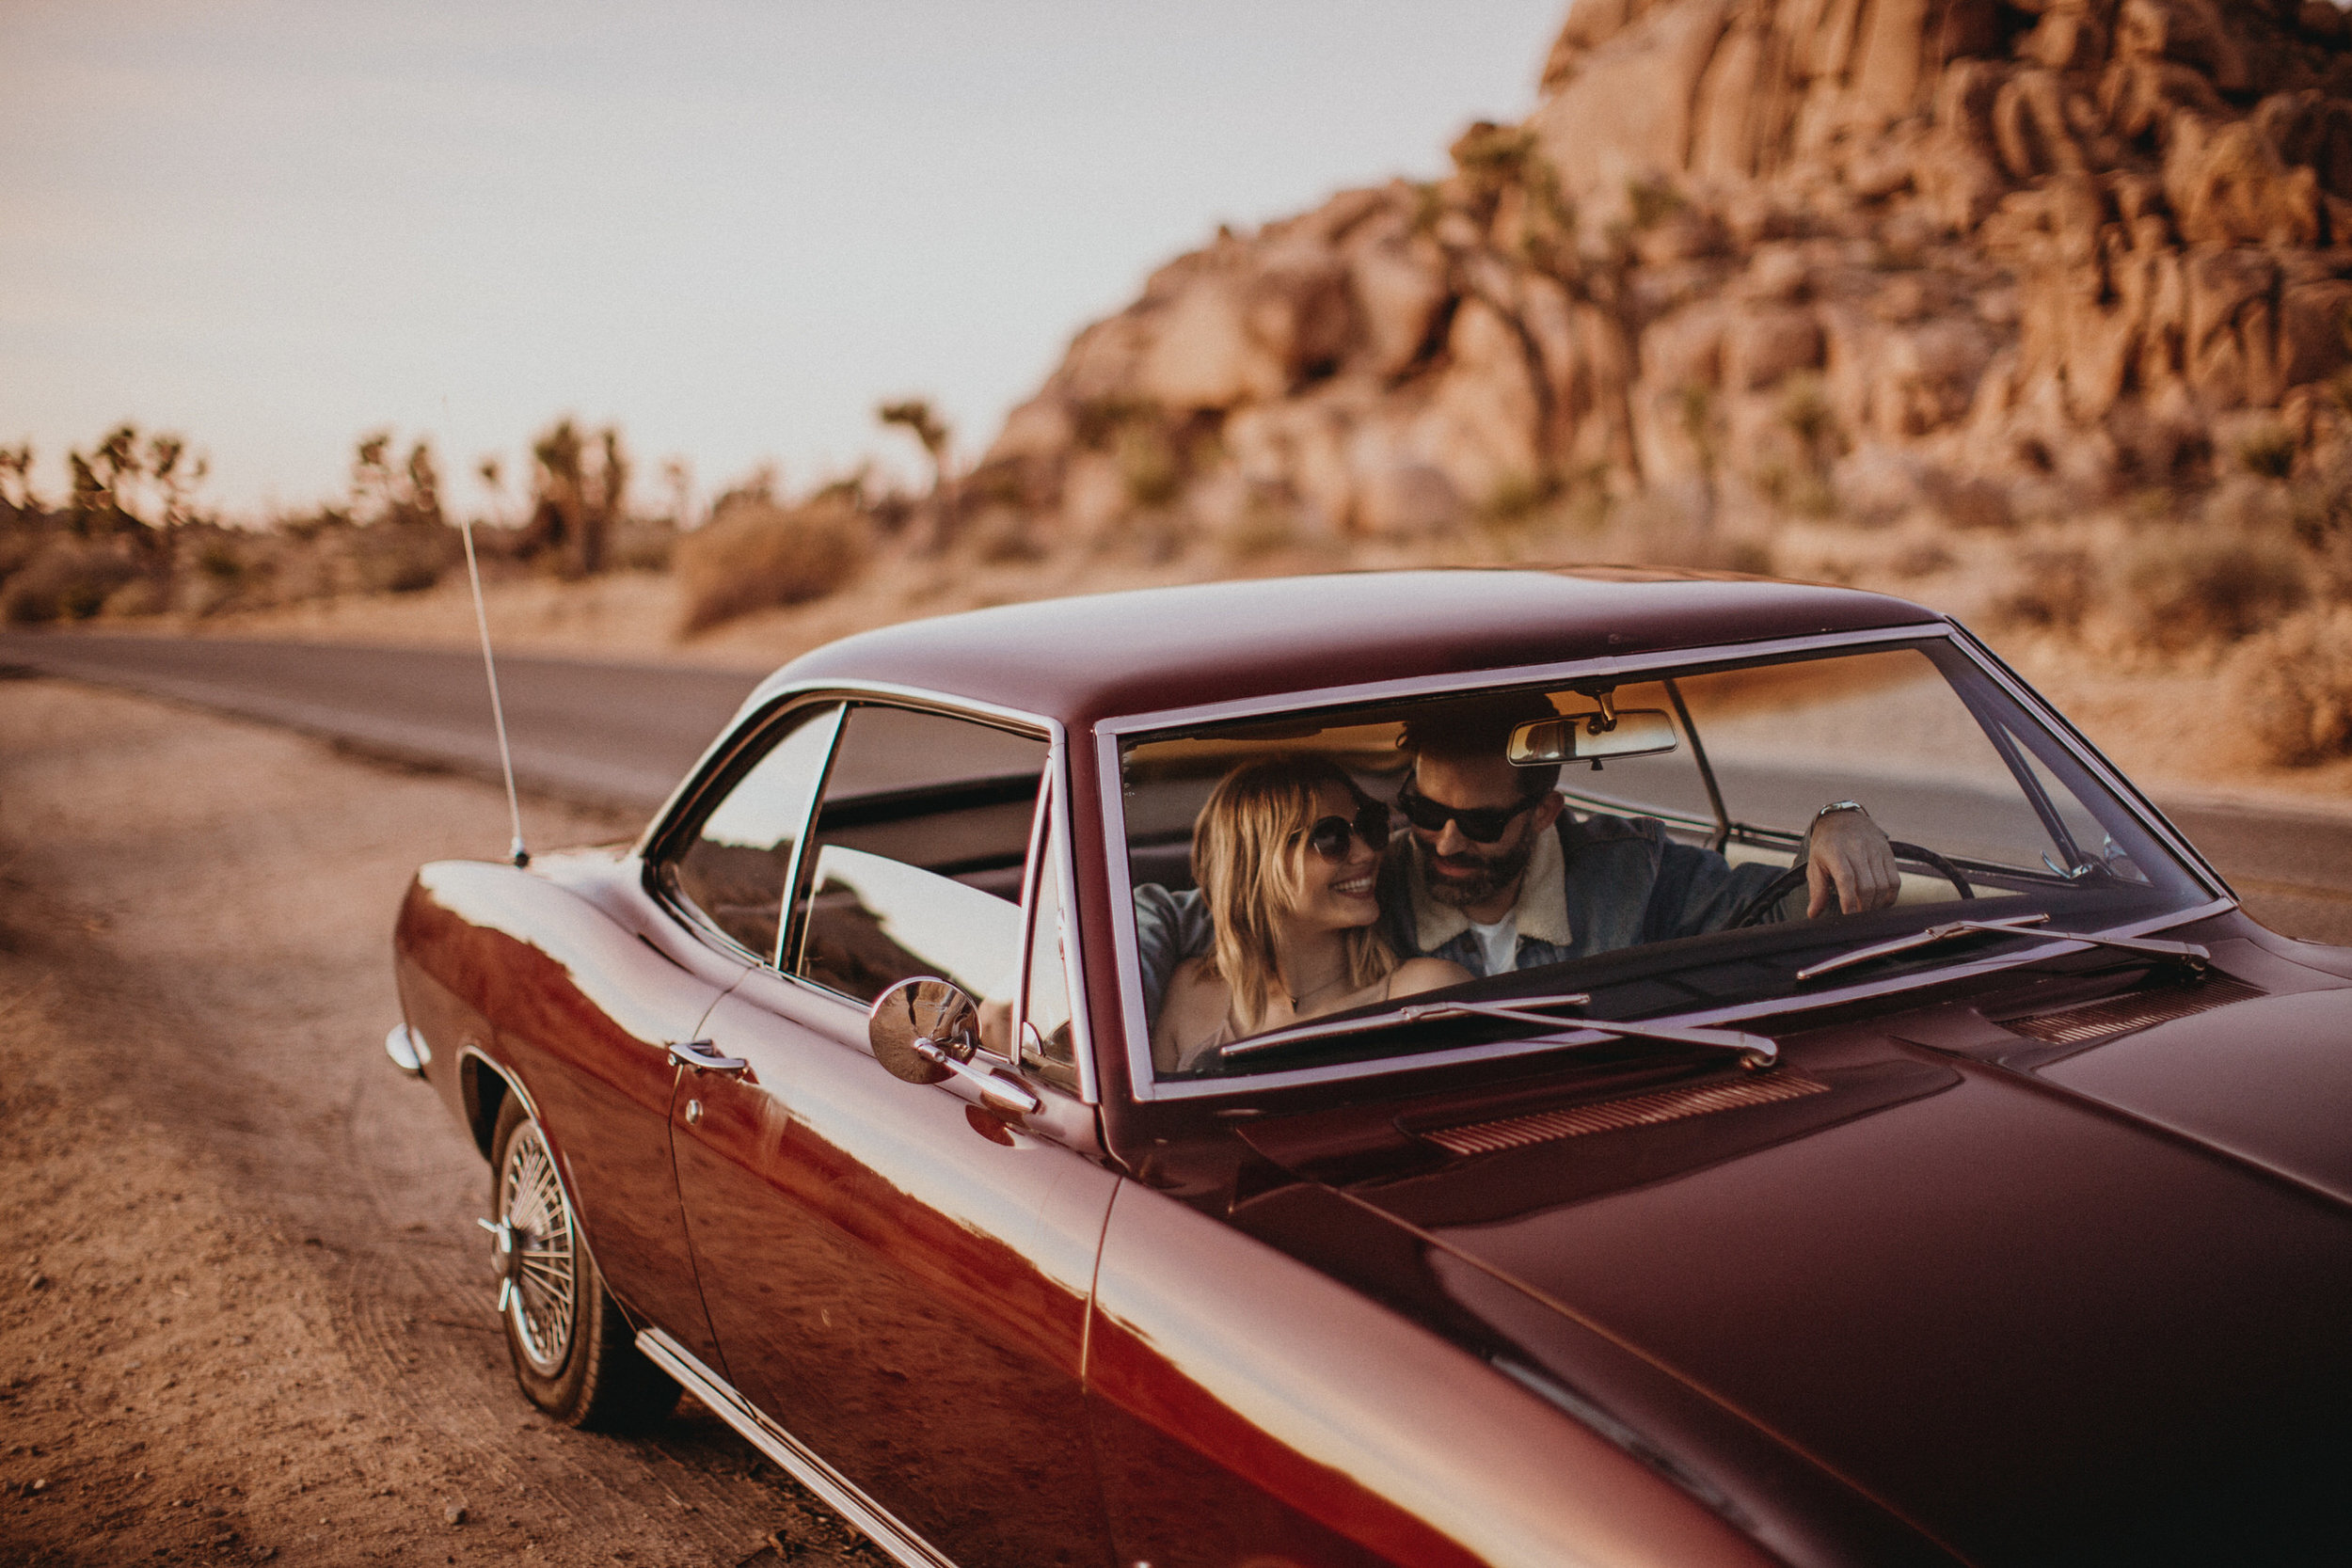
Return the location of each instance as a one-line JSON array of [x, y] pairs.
[[2087, 1305]]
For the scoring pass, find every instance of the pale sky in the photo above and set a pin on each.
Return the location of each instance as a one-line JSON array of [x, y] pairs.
[[731, 228]]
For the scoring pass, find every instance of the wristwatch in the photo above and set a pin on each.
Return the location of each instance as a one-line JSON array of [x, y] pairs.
[[1836, 806]]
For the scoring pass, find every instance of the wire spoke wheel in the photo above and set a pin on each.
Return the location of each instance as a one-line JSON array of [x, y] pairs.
[[575, 1354], [540, 1284]]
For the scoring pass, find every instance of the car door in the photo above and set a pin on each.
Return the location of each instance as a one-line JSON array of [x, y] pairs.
[[619, 985], [897, 1274]]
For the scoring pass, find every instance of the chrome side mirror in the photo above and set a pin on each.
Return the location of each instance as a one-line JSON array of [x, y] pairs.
[[925, 1030], [919, 1026]]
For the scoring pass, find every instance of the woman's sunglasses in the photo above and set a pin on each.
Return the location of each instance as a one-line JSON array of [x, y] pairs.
[[1329, 835], [1479, 824]]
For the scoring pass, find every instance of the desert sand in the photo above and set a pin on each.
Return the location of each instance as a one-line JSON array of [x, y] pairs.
[[245, 1314]]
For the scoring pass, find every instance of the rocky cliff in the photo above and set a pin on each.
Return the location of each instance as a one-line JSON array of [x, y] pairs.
[[1770, 258]]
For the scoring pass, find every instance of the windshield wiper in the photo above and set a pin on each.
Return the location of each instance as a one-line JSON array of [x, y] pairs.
[[1754, 1050], [2195, 958]]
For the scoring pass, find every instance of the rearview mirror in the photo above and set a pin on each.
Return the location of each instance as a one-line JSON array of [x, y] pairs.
[[1590, 736]]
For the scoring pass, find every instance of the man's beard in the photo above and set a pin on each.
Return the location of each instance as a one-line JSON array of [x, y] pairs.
[[1486, 875]]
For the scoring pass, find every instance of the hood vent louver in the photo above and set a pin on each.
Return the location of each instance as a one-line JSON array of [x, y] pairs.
[[1609, 1115], [2122, 1014]]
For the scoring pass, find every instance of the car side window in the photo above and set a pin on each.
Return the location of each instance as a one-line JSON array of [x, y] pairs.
[[915, 861], [733, 866], [1046, 1047]]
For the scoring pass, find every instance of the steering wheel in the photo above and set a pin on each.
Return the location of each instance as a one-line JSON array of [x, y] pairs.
[[1780, 886]]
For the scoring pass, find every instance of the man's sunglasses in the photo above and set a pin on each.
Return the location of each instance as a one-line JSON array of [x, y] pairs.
[[1329, 835], [1479, 824]]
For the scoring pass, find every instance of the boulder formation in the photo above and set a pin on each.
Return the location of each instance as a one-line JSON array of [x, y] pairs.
[[1850, 256]]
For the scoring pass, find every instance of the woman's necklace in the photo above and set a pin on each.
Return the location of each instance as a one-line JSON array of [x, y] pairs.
[[1302, 998]]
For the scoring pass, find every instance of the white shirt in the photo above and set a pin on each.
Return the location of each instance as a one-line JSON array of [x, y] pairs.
[[1501, 942]]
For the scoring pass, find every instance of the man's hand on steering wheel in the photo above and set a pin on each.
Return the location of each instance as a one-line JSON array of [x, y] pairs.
[[1847, 852]]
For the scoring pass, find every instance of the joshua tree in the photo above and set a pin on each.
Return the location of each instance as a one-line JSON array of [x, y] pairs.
[[577, 502], [118, 454], [928, 428], [372, 473], [176, 475], [94, 507], [17, 460], [493, 475], [409, 493], [422, 503]]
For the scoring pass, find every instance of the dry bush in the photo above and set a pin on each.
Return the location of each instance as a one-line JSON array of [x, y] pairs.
[[2179, 591], [1002, 535], [66, 579], [401, 558], [2268, 450], [756, 554], [2048, 587], [2294, 683], [641, 544]]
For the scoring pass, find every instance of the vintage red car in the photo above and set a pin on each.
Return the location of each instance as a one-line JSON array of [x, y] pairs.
[[1999, 1218]]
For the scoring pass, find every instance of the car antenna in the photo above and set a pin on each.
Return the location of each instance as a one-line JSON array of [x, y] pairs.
[[515, 851]]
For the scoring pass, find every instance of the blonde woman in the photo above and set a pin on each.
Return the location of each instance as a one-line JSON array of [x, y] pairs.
[[1287, 853]]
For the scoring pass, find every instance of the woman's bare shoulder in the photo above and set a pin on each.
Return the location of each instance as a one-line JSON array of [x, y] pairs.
[[1416, 974], [1192, 1009]]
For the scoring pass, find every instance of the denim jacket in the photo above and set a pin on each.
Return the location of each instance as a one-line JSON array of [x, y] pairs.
[[1627, 884]]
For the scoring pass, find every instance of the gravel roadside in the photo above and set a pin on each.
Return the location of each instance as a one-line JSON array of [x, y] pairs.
[[243, 1312]]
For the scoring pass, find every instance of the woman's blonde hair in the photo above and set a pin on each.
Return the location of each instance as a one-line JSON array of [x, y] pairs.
[[1245, 854]]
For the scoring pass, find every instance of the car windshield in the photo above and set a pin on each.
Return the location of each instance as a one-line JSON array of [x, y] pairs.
[[1627, 842]]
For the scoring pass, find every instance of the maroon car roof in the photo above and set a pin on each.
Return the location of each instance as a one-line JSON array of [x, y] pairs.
[[1083, 659]]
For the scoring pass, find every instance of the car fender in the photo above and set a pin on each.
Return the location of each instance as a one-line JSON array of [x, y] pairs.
[[1247, 1407]]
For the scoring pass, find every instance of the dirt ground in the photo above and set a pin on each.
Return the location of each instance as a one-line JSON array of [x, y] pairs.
[[244, 1314]]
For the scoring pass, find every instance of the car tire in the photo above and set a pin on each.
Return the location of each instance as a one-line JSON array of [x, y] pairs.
[[574, 1353]]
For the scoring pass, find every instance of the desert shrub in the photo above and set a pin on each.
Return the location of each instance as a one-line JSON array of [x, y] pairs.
[[2180, 591], [1974, 504], [2292, 684], [401, 558], [641, 544], [1002, 535], [219, 562], [756, 554], [1518, 500], [2050, 588], [1924, 559], [2268, 451], [67, 580], [1261, 530], [1147, 465]]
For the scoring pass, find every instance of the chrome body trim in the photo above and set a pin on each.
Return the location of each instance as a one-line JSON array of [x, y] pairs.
[[767, 702], [794, 864], [764, 699], [1744, 1012], [513, 1085], [1144, 1083], [2104, 771], [900, 1544], [407, 1050]]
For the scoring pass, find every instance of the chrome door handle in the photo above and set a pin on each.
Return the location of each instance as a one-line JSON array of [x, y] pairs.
[[701, 1058]]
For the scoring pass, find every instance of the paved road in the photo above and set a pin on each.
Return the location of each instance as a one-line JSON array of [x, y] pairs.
[[623, 734], [613, 733]]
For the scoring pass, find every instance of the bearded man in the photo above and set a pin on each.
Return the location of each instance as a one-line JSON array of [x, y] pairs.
[[1497, 875]]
